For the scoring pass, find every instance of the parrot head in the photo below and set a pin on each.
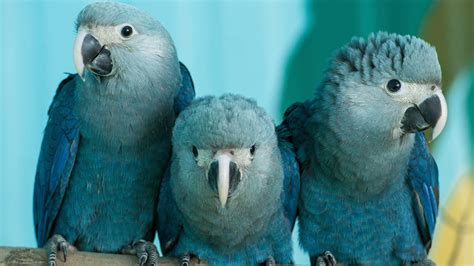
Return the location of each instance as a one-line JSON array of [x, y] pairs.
[[387, 83], [225, 147], [115, 39]]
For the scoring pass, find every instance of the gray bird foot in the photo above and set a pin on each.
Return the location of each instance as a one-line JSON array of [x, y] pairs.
[[185, 260], [425, 262], [325, 259], [188, 259], [53, 245], [270, 261], [145, 251]]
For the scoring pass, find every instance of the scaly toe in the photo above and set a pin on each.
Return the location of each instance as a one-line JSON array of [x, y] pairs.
[[145, 251], [329, 258], [55, 243], [325, 259], [185, 260]]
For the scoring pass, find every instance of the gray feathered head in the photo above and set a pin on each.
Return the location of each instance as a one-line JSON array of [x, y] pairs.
[[115, 40], [387, 83], [225, 149]]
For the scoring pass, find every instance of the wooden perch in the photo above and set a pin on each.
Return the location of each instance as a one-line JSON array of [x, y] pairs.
[[37, 256]]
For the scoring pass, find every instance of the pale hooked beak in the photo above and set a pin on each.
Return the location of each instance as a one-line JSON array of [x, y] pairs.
[[78, 63], [441, 122], [431, 112], [223, 180], [91, 54], [223, 176]]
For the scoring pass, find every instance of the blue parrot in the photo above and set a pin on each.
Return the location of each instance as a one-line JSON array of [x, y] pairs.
[[107, 141], [230, 195], [369, 186]]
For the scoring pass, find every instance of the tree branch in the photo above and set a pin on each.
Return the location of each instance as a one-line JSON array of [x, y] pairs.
[[37, 256]]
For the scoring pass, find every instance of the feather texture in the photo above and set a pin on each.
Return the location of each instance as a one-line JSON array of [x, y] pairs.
[[56, 160]]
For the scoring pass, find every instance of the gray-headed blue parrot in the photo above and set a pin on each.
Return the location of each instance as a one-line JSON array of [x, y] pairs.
[[369, 186], [230, 196], [107, 141]]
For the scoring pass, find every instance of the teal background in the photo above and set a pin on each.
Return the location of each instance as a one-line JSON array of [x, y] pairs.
[[273, 51]]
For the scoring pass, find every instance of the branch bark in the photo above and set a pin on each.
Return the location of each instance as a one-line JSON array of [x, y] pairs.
[[37, 256]]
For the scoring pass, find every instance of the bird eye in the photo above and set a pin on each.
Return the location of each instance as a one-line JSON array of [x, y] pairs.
[[195, 152], [126, 31], [394, 85], [252, 150]]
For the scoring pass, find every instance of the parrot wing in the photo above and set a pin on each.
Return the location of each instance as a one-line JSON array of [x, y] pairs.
[[291, 137], [56, 160], [186, 92], [169, 221], [423, 180], [291, 170], [294, 122]]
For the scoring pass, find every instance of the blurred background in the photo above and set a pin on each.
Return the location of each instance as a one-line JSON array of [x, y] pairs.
[[273, 51]]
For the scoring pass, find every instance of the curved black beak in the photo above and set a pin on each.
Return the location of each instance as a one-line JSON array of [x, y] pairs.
[[223, 178], [432, 112], [95, 56]]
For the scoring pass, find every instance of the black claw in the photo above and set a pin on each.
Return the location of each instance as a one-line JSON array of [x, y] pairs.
[[144, 250], [325, 259], [329, 258], [64, 248], [143, 259], [54, 244]]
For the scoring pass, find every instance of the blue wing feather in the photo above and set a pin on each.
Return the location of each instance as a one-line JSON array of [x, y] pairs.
[[186, 92], [291, 170], [422, 177], [168, 222], [294, 120], [56, 160], [291, 139]]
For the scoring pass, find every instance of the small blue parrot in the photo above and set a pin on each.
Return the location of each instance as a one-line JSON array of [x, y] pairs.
[[369, 186], [107, 142], [231, 193]]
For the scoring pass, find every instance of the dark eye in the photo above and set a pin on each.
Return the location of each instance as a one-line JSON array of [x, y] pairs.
[[195, 152], [126, 31], [394, 85], [252, 150]]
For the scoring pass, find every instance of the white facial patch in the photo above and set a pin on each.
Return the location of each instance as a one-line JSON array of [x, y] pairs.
[[412, 93], [108, 35], [241, 157]]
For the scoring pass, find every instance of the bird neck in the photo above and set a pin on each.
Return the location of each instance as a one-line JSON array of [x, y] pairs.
[[125, 113], [353, 160]]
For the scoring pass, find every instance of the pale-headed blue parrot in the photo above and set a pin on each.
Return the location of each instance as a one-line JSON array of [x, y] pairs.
[[230, 196], [369, 185], [107, 141]]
